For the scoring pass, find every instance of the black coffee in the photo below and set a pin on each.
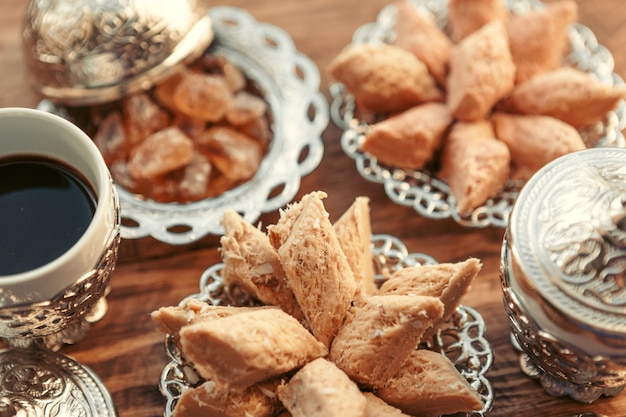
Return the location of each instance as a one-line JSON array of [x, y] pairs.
[[45, 207]]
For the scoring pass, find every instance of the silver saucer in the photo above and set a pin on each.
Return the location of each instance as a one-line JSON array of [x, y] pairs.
[[461, 339], [38, 383], [423, 190]]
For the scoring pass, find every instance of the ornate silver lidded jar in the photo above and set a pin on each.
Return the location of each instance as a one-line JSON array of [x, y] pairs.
[[563, 274], [85, 52]]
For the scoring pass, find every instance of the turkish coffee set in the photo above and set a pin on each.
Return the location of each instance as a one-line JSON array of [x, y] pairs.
[[563, 257]]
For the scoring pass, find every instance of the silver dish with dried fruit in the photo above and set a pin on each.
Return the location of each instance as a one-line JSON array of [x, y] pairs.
[[235, 129], [379, 329], [472, 89]]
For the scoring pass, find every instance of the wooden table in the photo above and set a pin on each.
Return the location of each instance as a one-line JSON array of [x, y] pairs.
[[128, 354]]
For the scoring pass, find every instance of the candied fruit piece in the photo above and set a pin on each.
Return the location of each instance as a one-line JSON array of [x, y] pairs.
[[164, 91], [142, 117], [121, 176], [110, 138], [164, 189], [234, 154], [203, 96], [160, 153], [218, 64], [245, 108], [258, 129], [219, 184], [196, 177], [190, 126]]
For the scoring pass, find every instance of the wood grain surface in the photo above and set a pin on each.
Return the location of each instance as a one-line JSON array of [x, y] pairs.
[[128, 354]]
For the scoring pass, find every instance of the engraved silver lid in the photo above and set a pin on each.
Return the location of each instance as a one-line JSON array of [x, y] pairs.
[[563, 275], [38, 382], [567, 236], [80, 52]]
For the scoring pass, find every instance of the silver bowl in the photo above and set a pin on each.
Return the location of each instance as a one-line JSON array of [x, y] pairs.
[[289, 81]]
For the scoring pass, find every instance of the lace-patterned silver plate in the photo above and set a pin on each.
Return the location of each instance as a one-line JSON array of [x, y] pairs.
[[422, 190], [461, 339], [290, 83]]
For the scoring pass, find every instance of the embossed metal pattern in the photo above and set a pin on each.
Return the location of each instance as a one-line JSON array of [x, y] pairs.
[[562, 369], [66, 318], [41, 383], [422, 189], [461, 339], [567, 243], [290, 83], [89, 52]]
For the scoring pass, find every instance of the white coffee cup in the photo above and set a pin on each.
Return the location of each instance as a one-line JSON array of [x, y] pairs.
[[87, 264]]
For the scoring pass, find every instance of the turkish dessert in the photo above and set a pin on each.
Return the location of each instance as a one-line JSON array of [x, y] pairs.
[[534, 140], [378, 335], [566, 93], [538, 39], [481, 73], [321, 389], [475, 163], [427, 386], [344, 345], [419, 34], [409, 139], [486, 63], [195, 135], [384, 78], [466, 17], [446, 281], [354, 231]]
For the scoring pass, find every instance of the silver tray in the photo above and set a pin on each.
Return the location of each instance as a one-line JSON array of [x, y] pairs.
[[461, 339], [290, 83], [422, 190]]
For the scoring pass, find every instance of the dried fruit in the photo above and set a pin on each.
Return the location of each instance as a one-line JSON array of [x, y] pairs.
[[197, 134], [160, 153], [203, 96]]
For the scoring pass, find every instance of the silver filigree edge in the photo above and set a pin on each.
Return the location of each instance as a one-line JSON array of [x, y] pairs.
[[461, 339], [422, 190]]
